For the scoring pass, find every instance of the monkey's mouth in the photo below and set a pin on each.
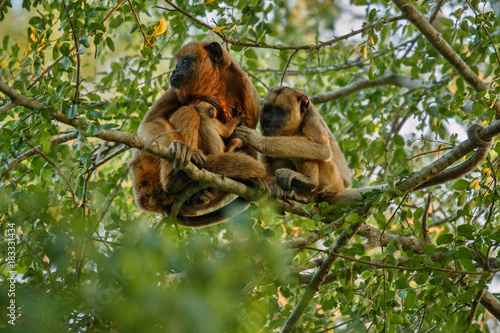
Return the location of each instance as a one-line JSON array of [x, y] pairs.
[[270, 131], [177, 81]]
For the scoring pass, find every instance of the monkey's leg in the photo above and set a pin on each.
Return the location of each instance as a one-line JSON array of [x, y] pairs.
[[210, 140], [149, 170], [234, 144], [148, 191], [186, 122], [235, 165]]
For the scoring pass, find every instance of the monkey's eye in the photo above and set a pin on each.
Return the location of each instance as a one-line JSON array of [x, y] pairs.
[[211, 112], [184, 61]]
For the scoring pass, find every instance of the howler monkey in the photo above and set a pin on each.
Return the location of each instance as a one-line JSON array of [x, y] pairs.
[[213, 131], [203, 70], [298, 148]]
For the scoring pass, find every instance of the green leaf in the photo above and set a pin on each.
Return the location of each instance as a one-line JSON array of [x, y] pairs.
[[5, 42], [444, 239], [110, 44], [65, 63], [461, 185], [84, 41], [352, 218], [72, 111], [466, 230]]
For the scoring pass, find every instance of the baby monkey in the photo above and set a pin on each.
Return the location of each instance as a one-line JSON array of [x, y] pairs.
[[213, 131]]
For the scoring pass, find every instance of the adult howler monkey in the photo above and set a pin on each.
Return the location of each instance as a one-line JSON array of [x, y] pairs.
[[203, 71], [298, 148]]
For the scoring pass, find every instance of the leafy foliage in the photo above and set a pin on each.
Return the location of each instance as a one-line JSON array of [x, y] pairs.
[[88, 261]]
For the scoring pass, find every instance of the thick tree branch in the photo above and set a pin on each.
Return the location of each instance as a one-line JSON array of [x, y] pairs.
[[491, 303], [440, 44], [396, 80], [390, 79]]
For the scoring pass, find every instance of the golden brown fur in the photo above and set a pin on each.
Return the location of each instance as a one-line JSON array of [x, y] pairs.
[[213, 131], [203, 70], [298, 148]]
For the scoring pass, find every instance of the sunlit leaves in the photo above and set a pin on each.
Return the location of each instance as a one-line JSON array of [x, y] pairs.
[[157, 30]]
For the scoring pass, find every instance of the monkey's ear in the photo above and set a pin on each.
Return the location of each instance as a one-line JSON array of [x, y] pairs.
[[214, 51], [304, 103]]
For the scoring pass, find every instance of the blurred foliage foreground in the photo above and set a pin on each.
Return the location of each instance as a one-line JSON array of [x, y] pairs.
[[78, 256]]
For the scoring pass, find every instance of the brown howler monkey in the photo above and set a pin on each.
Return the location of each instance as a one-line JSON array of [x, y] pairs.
[[202, 70], [298, 148], [213, 131]]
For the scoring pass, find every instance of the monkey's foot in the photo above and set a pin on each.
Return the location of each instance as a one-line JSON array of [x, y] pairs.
[[289, 179], [177, 182]]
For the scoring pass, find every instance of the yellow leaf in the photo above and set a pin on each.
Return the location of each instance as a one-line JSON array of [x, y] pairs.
[[160, 28], [475, 184], [209, 2], [364, 51], [217, 29], [439, 150]]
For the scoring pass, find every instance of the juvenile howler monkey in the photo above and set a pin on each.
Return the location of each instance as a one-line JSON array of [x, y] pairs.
[[203, 70], [298, 148], [213, 131]]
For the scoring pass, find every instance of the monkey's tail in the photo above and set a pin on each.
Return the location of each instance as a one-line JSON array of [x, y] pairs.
[[220, 215]]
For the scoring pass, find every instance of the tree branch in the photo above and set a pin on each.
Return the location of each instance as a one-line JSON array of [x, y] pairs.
[[440, 44], [491, 303]]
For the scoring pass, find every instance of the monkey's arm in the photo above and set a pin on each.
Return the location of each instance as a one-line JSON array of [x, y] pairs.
[[227, 129], [284, 146]]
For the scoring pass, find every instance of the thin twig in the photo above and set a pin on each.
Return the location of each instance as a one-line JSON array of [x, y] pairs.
[[75, 38], [425, 231], [29, 153], [8, 107], [61, 174], [388, 222], [422, 320], [318, 278], [286, 67], [139, 23]]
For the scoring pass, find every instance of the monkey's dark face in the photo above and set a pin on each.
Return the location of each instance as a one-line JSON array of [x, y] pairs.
[[184, 71], [195, 62], [282, 112], [274, 119]]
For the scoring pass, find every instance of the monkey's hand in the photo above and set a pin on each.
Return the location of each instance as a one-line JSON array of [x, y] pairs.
[[198, 158], [182, 154], [250, 136]]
